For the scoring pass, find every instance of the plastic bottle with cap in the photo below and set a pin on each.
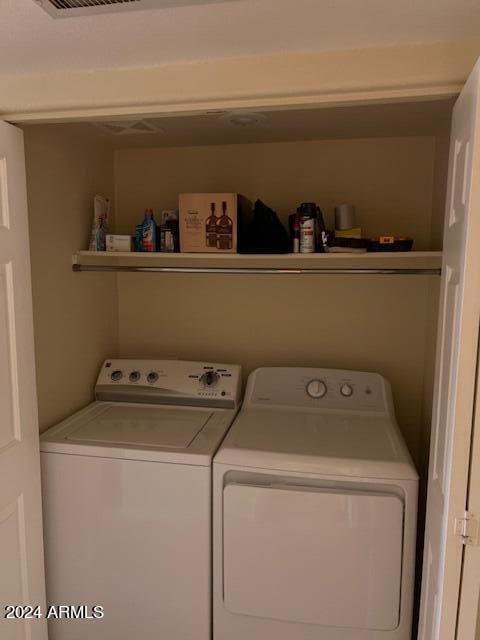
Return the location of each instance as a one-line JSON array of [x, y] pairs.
[[149, 231]]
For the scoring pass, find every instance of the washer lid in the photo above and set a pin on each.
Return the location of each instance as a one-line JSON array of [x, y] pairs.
[[183, 435], [314, 442], [141, 427]]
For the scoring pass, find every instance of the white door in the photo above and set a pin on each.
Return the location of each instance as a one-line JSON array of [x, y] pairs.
[[469, 614], [455, 372], [21, 547]]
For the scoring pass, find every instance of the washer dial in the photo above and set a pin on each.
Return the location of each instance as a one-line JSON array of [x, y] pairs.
[[316, 389], [134, 376], [209, 378], [152, 377], [116, 375]]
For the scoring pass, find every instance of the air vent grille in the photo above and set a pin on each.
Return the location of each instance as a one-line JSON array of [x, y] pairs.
[[73, 8], [129, 127], [81, 4]]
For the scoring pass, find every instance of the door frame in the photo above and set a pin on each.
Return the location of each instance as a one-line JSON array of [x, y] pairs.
[[468, 625], [330, 99]]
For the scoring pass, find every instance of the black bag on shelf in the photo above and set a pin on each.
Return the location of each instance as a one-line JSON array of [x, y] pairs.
[[264, 233]]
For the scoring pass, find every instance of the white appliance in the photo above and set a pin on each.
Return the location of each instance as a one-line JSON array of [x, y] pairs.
[[315, 504], [127, 500]]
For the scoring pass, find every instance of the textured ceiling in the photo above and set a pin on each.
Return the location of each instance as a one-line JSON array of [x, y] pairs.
[[33, 42]]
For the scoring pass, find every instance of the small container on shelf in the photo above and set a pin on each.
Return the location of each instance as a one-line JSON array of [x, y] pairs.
[[389, 243], [115, 242], [168, 236], [346, 245]]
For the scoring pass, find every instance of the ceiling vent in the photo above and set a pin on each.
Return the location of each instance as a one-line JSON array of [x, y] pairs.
[[129, 127], [72, 8]]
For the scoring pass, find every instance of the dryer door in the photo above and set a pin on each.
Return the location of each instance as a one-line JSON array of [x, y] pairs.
[[313, 555]]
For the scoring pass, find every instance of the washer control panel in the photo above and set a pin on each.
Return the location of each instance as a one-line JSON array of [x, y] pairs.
[[331, 389], [191, 383]]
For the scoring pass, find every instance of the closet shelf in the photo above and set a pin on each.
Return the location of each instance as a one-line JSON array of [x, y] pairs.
[[395, 263]]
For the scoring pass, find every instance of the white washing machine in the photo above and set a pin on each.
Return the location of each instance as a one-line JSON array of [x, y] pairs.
[[315, 504], [127, 501]]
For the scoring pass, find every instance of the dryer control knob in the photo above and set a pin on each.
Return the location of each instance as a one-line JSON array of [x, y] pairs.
[[316, 388], [346, 390], [116, 375], [152, 377], [134, 376]]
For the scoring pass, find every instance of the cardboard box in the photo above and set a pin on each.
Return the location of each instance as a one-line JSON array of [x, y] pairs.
[[209, 222]]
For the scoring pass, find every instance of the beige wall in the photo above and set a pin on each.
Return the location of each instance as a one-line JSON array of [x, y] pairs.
[[370, 323], [75, 316], [390, 180], [366, 323]]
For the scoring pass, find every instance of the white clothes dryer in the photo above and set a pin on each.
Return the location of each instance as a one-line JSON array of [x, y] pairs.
[[315, 505], [127, 500]]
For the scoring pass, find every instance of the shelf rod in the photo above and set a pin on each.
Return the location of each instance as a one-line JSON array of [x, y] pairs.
[[262, 270]]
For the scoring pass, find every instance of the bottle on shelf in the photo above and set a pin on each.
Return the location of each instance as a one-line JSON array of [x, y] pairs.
[[296, 233], [224, 230], [149, 232], [307, 213], [100, 236], [139, 237], [322, 234], [211, 228]]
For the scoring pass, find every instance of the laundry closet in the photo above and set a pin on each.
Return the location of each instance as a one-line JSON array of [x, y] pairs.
[[366, 312], [389, 160]]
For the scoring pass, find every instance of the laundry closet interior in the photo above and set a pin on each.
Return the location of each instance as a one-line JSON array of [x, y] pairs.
[[388, 159]]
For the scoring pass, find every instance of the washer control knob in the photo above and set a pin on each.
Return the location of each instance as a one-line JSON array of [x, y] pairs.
[[116, 375], [209, 378], [316, 388], [152, 377], [134, 376], [346, 390]]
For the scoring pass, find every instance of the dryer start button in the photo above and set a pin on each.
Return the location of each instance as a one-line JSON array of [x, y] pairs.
[[346, 390]]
